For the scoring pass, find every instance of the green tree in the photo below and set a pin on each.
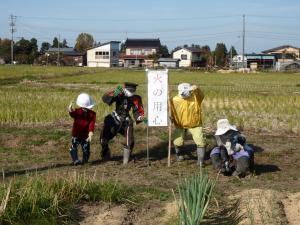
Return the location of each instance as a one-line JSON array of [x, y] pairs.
[[5, 49], [233, 51], [45, 46], [65, 44], [206, 55], [220, 54], [163, 51], [83, 42], [122, 48], [55, 42]]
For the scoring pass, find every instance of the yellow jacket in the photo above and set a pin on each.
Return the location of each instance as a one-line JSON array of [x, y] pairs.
[[186, 113]]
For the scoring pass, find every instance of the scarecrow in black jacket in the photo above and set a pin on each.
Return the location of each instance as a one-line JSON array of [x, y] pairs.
[[119, 121]]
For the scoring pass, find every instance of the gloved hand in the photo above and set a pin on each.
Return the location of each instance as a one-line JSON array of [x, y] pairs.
[[118, 91], [71, 107], [145, 120], [194, 87], [228, 148], [89, 139], [142, 119], [238, 147]]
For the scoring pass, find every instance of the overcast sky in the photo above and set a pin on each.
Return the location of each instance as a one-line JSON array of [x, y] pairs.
[[269, 23]]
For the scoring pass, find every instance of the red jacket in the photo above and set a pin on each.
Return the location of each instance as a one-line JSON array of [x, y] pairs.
[[84, 122]]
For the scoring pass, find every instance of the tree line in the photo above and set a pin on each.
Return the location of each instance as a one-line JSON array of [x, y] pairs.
[[27, 51]]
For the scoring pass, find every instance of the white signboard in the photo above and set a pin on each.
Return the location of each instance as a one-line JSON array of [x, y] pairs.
[[157, 98]]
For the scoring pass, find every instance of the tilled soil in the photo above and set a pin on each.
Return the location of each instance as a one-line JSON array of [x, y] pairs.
[[276, 178]]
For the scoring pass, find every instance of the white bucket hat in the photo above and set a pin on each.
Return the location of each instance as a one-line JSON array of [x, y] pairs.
[[184, 90], [85, 101], [223, 126]]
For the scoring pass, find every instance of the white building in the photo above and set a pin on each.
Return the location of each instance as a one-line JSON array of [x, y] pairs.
[[168, 62], [189, 57], [104, 55]]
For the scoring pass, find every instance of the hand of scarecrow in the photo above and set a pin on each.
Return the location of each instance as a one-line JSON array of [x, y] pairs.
[[89, 139], [194, 87], [71, 107], [118, 91], [238, 147], [142, 119], [145, 120]]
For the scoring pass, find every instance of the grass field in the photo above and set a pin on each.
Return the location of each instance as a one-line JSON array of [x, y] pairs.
[[258, 102], [35, 134]]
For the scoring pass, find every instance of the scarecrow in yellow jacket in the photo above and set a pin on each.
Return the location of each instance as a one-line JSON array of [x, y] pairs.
[[186, 116]]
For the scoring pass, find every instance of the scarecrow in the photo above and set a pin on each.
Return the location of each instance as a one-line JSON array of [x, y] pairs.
[[186, 116], [120, 121], [83, 127], [232, 155]]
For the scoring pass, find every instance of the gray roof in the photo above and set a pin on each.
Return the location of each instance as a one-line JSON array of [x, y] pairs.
[[190, 49], [60, 50], [168, 60], [145, 43], [278, 48], [109, 42], [65, 51]]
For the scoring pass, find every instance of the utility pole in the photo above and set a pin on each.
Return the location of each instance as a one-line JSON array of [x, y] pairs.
[[58, 50], [230, 65], [244, 33], [12, 25]]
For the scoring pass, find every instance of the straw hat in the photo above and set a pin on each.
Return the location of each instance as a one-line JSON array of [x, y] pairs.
[[223, 126]]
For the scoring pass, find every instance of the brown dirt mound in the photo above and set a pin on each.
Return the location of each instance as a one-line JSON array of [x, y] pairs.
[[261, 207], [151, 213], [292, 208]]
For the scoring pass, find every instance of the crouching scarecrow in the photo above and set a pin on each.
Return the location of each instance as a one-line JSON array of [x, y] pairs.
[[186, 116], [232, 156], [119, 121], [83, 127]]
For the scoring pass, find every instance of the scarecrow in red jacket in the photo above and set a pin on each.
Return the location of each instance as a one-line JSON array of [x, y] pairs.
[[119, 121], [83, 127]]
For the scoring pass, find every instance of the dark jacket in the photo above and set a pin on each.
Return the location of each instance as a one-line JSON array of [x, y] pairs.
[[124, 104]]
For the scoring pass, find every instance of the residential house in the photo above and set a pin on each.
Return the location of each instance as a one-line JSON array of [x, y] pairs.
[[104, 55], [284, 53], [168, 62], [139, 52], [189, 57], [68, 57]]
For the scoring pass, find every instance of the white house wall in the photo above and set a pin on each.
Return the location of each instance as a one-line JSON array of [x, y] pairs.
[[111, 61], [183, 63]]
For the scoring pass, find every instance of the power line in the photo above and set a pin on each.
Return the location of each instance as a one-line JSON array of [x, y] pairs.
[[127, 31], [274, 17], [128, 20]]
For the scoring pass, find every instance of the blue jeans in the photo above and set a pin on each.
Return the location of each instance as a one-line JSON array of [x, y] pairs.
[[85, 145]]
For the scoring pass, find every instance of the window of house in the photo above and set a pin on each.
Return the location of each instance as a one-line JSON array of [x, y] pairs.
[[183, 57], [102, 55], [114, 53], [132, 62]]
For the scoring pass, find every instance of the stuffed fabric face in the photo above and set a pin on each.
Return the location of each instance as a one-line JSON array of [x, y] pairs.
[[184, 90], [128, 92]]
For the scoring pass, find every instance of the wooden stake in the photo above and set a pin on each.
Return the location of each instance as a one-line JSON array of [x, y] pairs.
[[170, 125]]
